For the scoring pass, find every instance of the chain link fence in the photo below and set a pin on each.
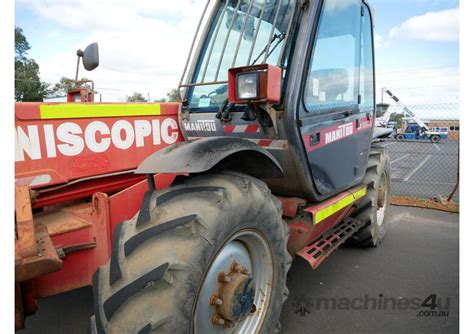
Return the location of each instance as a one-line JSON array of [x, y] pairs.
[[421, 165]]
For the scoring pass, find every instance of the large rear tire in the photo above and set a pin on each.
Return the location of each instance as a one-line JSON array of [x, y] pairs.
[[210, 250], [372, 209]]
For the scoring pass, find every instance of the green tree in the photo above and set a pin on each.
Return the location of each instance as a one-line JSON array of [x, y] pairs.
[[65, 85], [381, 109], [398, 118], [173, 96], [136, 97], [28, 86], [21, 44]]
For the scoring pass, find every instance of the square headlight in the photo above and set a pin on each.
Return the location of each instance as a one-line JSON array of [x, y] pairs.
[[247, 86]]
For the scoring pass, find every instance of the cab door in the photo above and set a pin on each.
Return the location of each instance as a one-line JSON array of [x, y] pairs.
[[337, 101]]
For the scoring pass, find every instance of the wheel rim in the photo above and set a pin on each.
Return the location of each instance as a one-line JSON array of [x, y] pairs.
[[382, 196], [246, 258]]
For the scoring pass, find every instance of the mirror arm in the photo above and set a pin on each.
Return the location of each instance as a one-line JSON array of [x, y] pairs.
[[79, 54], [77, 70]]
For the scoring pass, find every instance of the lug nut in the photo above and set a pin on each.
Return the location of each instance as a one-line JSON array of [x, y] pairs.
[[216, 300], [223, 278], [218, 320], [253, 309], [236, 267], [228, 324]]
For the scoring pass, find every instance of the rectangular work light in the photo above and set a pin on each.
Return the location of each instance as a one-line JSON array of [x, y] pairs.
[[255, 84], [248, 85]]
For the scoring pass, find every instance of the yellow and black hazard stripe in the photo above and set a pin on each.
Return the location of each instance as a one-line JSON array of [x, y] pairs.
[[332, 206]]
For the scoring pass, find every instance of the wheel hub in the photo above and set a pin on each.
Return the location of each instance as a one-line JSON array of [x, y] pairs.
[[382, 195], [235, 296], [235, 293]]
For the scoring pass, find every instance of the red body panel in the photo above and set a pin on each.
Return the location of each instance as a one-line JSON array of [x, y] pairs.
[[302, 233], [102, 214], [81, 166], [57, 151]]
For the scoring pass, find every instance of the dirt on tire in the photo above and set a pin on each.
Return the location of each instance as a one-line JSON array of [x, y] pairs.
[[160, 256]]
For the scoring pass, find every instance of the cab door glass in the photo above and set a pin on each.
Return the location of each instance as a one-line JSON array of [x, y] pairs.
[[333, 76]]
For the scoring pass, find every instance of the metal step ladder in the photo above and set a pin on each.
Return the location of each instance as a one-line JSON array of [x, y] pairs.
[[318, 251]]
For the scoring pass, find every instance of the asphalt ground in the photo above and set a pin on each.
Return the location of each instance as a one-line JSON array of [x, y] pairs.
[[423, 169], [419, 257]]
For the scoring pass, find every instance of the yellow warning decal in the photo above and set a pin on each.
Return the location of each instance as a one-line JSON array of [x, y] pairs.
[[339, 205], [85, 110]]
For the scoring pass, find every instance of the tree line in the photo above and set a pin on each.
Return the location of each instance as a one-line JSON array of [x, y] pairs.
[[30, 88]]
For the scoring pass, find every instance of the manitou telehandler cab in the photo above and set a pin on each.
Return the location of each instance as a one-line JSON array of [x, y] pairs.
[[278, 161]]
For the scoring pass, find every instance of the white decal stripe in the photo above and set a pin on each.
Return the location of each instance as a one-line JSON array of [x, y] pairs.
[[274, 145], [240, 128], [41, 179], [33, 180], [279, 144]]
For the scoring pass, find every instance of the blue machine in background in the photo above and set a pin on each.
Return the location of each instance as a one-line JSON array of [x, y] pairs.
[[417, 130]]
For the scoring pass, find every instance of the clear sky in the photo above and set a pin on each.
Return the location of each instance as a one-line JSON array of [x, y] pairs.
[[143, 44]]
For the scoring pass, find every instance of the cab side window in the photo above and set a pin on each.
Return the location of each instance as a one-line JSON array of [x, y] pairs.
[[333, 78]]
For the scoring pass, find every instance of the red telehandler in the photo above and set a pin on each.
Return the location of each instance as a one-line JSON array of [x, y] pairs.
[[272, 153]]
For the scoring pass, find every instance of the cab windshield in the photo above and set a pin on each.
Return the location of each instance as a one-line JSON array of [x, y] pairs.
[[242, 33]]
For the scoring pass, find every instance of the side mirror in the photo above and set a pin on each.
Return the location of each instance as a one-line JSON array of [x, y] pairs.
[[90, 57]]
